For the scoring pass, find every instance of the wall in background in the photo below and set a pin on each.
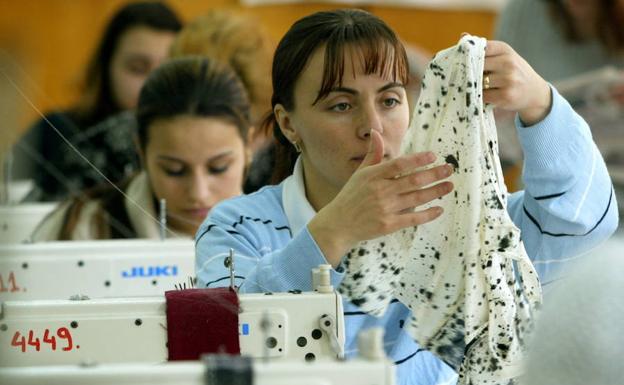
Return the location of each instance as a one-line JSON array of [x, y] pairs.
[[50, 41]]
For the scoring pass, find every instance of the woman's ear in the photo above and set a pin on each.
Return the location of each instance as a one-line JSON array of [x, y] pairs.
[[247, 169], [283, 120], [249, 154]]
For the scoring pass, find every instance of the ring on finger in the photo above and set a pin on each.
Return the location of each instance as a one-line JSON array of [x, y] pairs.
[[486, 82]]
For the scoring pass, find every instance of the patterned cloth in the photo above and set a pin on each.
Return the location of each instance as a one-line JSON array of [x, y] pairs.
[[456, 274]]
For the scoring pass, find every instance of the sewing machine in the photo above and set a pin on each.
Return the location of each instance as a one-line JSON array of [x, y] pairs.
[[115, 268], [14, 190], [303, 326], [17, 222], [371, 368]]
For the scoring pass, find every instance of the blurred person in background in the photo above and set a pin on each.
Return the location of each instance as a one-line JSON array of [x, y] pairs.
[[241, 42], [564, 40], [135, 42], [245, 45], [193, 119]]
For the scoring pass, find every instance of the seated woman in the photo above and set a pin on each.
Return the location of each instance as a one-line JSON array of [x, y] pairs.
[[244, 44], [193, 119], [134, 43], [340, 114]]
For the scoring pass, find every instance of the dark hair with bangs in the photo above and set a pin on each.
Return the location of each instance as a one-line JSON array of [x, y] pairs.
[[379, 48], [194, 86]]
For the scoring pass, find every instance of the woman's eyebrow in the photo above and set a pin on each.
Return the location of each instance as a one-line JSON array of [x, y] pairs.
[[137, 56], [214, 157], [390, 85], [345, 90], [169, 158], [355, 92], [221, 155]]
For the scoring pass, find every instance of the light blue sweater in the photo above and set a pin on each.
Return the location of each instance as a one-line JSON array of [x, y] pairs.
[[568, 207]]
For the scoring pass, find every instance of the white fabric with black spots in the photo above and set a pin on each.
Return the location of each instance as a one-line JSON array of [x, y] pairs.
[[466, 277]]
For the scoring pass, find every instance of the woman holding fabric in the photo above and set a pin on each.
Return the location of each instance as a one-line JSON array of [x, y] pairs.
[[340, 113]]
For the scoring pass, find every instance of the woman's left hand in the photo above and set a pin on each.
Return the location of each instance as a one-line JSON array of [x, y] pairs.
[[514, 85]]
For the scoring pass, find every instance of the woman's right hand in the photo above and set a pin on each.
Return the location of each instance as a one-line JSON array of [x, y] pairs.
[[379, 198]]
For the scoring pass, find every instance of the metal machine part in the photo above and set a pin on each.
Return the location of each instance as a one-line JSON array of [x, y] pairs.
[[97, 269], [17, 222], [370, 368], [330, 372], [61, 332]]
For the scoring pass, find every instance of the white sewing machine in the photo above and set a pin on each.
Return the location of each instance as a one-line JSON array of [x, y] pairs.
[[15, 189], [17, 222], [115, 268], [371, 368], [302, 326]]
